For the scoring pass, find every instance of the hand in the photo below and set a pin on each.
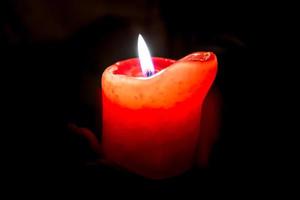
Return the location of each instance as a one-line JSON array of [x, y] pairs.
[[210, 124]]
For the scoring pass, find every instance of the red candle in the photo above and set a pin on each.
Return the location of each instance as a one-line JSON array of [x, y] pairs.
[[151, 118]]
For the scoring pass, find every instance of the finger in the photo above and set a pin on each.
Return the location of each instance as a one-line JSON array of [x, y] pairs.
[[88, 135]]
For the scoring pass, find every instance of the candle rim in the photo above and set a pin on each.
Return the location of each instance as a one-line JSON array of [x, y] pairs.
[[189, 67], [201, 56]]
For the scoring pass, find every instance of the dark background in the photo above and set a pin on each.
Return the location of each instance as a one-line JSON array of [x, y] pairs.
[[53, 53]]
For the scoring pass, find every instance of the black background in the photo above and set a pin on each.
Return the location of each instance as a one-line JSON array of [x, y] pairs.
[[54, 52]]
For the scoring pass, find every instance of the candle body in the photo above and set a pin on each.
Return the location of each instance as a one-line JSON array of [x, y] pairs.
[[151, 125]]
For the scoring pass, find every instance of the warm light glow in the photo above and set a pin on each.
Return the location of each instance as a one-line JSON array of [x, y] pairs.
[[145, 57]]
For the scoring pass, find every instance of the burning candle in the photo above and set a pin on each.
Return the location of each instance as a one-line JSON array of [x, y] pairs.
[[152, 109]]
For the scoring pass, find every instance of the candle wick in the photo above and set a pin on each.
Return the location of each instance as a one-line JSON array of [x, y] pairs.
[[149, 73]]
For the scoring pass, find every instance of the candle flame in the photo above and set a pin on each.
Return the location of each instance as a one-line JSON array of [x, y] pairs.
[[145, 57]]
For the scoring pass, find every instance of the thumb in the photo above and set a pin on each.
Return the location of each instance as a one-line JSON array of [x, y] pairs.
[[88, 135]]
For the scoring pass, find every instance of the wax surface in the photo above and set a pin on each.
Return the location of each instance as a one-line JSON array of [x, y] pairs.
[[151, 124]]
